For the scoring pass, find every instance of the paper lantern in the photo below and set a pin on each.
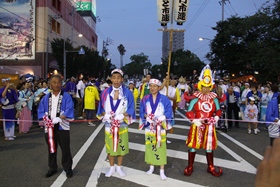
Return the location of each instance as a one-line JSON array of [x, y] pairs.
[[164, 10], [181, 11]]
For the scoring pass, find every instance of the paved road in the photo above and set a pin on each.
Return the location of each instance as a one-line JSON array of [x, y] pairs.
[[24, 161]]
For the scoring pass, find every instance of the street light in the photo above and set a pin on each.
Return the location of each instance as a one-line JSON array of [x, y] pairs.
[[64, 54], [201, 39]]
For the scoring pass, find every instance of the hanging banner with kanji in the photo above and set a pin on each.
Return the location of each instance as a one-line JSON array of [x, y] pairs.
[[180, 11], [164, 10]]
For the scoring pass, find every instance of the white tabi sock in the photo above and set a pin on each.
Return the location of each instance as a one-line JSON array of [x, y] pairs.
[[162, 175], [120, 172], [151, 170], [110, 172]]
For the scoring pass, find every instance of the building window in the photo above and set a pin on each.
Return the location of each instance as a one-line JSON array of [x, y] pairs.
[[93, 39], [53, 3], [56, 4], [59, 5], [55, 26], [58, 27]]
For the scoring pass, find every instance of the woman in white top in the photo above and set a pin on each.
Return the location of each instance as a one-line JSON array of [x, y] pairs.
[[243, 99], [266, 97]]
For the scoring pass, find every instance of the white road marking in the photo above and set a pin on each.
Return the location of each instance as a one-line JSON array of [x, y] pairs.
[[259, 156], [235, 165], [240, 165], [242, 146], [179, 113], [154, 180], [181, 126], [133, 175], [62, 177]]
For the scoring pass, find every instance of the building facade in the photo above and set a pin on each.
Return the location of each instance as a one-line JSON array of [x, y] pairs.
[[25, 36], [177, 42]]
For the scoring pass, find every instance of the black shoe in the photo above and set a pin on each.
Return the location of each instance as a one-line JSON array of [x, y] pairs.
[[50, 173], [69, 173]]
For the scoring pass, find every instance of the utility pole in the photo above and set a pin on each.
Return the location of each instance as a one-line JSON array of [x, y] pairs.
[[47, 58], [171, 31], [49, 20], [104, 47], [223, 2]]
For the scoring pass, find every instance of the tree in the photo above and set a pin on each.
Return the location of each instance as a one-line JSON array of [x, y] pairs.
[[90, 64], [57, 50], [138, 63], [186, 63], [122, 51], [246, 45]]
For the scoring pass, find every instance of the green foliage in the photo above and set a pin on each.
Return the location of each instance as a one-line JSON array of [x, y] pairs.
[[121, 49], [246, 45], [137, 64], [186, 63], [90, 64]]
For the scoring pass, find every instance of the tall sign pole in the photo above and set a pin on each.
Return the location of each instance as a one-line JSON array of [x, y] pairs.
[[169, 10]]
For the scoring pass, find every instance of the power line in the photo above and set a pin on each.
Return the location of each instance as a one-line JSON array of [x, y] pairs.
[[196, 15], [232, 8], [231, 13], [228, 15]]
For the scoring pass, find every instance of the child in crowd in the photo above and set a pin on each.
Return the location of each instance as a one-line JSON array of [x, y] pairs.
[[251, 115]]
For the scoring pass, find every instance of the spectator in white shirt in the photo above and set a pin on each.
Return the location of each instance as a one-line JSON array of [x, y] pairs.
[[223, 86], [80, 95]]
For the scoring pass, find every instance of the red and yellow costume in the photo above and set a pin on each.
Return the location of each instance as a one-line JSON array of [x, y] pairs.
[[203, 111], [203, 107]]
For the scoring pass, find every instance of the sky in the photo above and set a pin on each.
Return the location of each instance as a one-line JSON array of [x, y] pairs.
[[134, 24]]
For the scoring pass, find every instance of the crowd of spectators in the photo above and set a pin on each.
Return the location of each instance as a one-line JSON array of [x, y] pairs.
[[85, 94]]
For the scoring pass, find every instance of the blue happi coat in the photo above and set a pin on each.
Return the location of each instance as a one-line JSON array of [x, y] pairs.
[[66, 109]]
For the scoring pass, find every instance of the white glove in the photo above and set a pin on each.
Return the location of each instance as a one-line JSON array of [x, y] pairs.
[[216, 118], [119, 117], [56, 120], [149, 119], [161, 118], [107, 117], [197, 122]]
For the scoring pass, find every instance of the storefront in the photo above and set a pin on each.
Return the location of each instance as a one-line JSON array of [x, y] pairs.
[[22, 70], [247, 78]]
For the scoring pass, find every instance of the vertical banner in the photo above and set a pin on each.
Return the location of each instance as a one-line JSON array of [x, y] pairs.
[[181, 11], [17, 29], [164, 10]]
